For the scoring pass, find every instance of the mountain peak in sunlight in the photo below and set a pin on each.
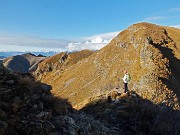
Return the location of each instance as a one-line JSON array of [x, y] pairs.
[[149, 52]]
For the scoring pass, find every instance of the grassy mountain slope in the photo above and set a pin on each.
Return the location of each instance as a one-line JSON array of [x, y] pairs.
[[28, 107], [54, 66], [149, 52]]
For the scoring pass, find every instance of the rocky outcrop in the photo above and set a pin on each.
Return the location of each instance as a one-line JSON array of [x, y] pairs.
[[131, 114]]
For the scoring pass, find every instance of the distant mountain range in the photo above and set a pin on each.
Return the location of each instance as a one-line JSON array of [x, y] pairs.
[[2, 57], [6, 54]]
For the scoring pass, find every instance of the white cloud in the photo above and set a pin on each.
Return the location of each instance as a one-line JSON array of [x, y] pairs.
[[14, 42], [94, 42], [174, 9], [7, 39], [164, 17], [106, 36], [83, 45], [176, 26], [7, 48], [154, 18]]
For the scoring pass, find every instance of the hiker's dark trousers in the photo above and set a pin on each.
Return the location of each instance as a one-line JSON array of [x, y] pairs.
[[125, 87]]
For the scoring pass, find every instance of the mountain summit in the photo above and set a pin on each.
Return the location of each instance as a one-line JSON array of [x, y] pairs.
[[24, 63], [149, 52]]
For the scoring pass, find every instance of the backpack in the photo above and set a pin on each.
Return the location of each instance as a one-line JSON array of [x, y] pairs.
[[128, 77]]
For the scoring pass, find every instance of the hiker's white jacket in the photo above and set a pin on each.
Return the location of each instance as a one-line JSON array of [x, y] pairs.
[[125, 78]]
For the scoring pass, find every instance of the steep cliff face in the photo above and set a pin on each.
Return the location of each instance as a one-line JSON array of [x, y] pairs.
[[149, 52]]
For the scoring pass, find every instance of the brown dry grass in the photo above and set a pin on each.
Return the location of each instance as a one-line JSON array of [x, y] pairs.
[[130, 50]]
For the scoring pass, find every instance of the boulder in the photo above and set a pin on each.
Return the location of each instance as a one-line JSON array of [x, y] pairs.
[[114, 93], [48, 126], [9, 82], [46, 87]]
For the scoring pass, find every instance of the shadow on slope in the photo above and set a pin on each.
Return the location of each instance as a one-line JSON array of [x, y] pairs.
[[135, 115], [28, 107], [173, 81], [18, 64], [23, 63]]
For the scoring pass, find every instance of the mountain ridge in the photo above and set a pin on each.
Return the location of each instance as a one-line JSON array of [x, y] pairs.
[[57, 64], [23, 63], [146, 50], [82, 93], [29, 107]]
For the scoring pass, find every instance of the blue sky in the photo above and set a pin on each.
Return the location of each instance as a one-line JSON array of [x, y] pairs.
[[76, 24]]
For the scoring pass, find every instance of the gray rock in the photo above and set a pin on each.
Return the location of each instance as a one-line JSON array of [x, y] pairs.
[[38, 125], [122, 44], [35, 96], [69, 120], [47, 97], [24, 121], [3, 127], [10, 82], [59, 121], [46, 87], [48, 126], [43, 116]]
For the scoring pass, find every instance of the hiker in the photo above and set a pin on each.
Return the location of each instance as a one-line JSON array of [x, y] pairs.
[[126, 80]]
